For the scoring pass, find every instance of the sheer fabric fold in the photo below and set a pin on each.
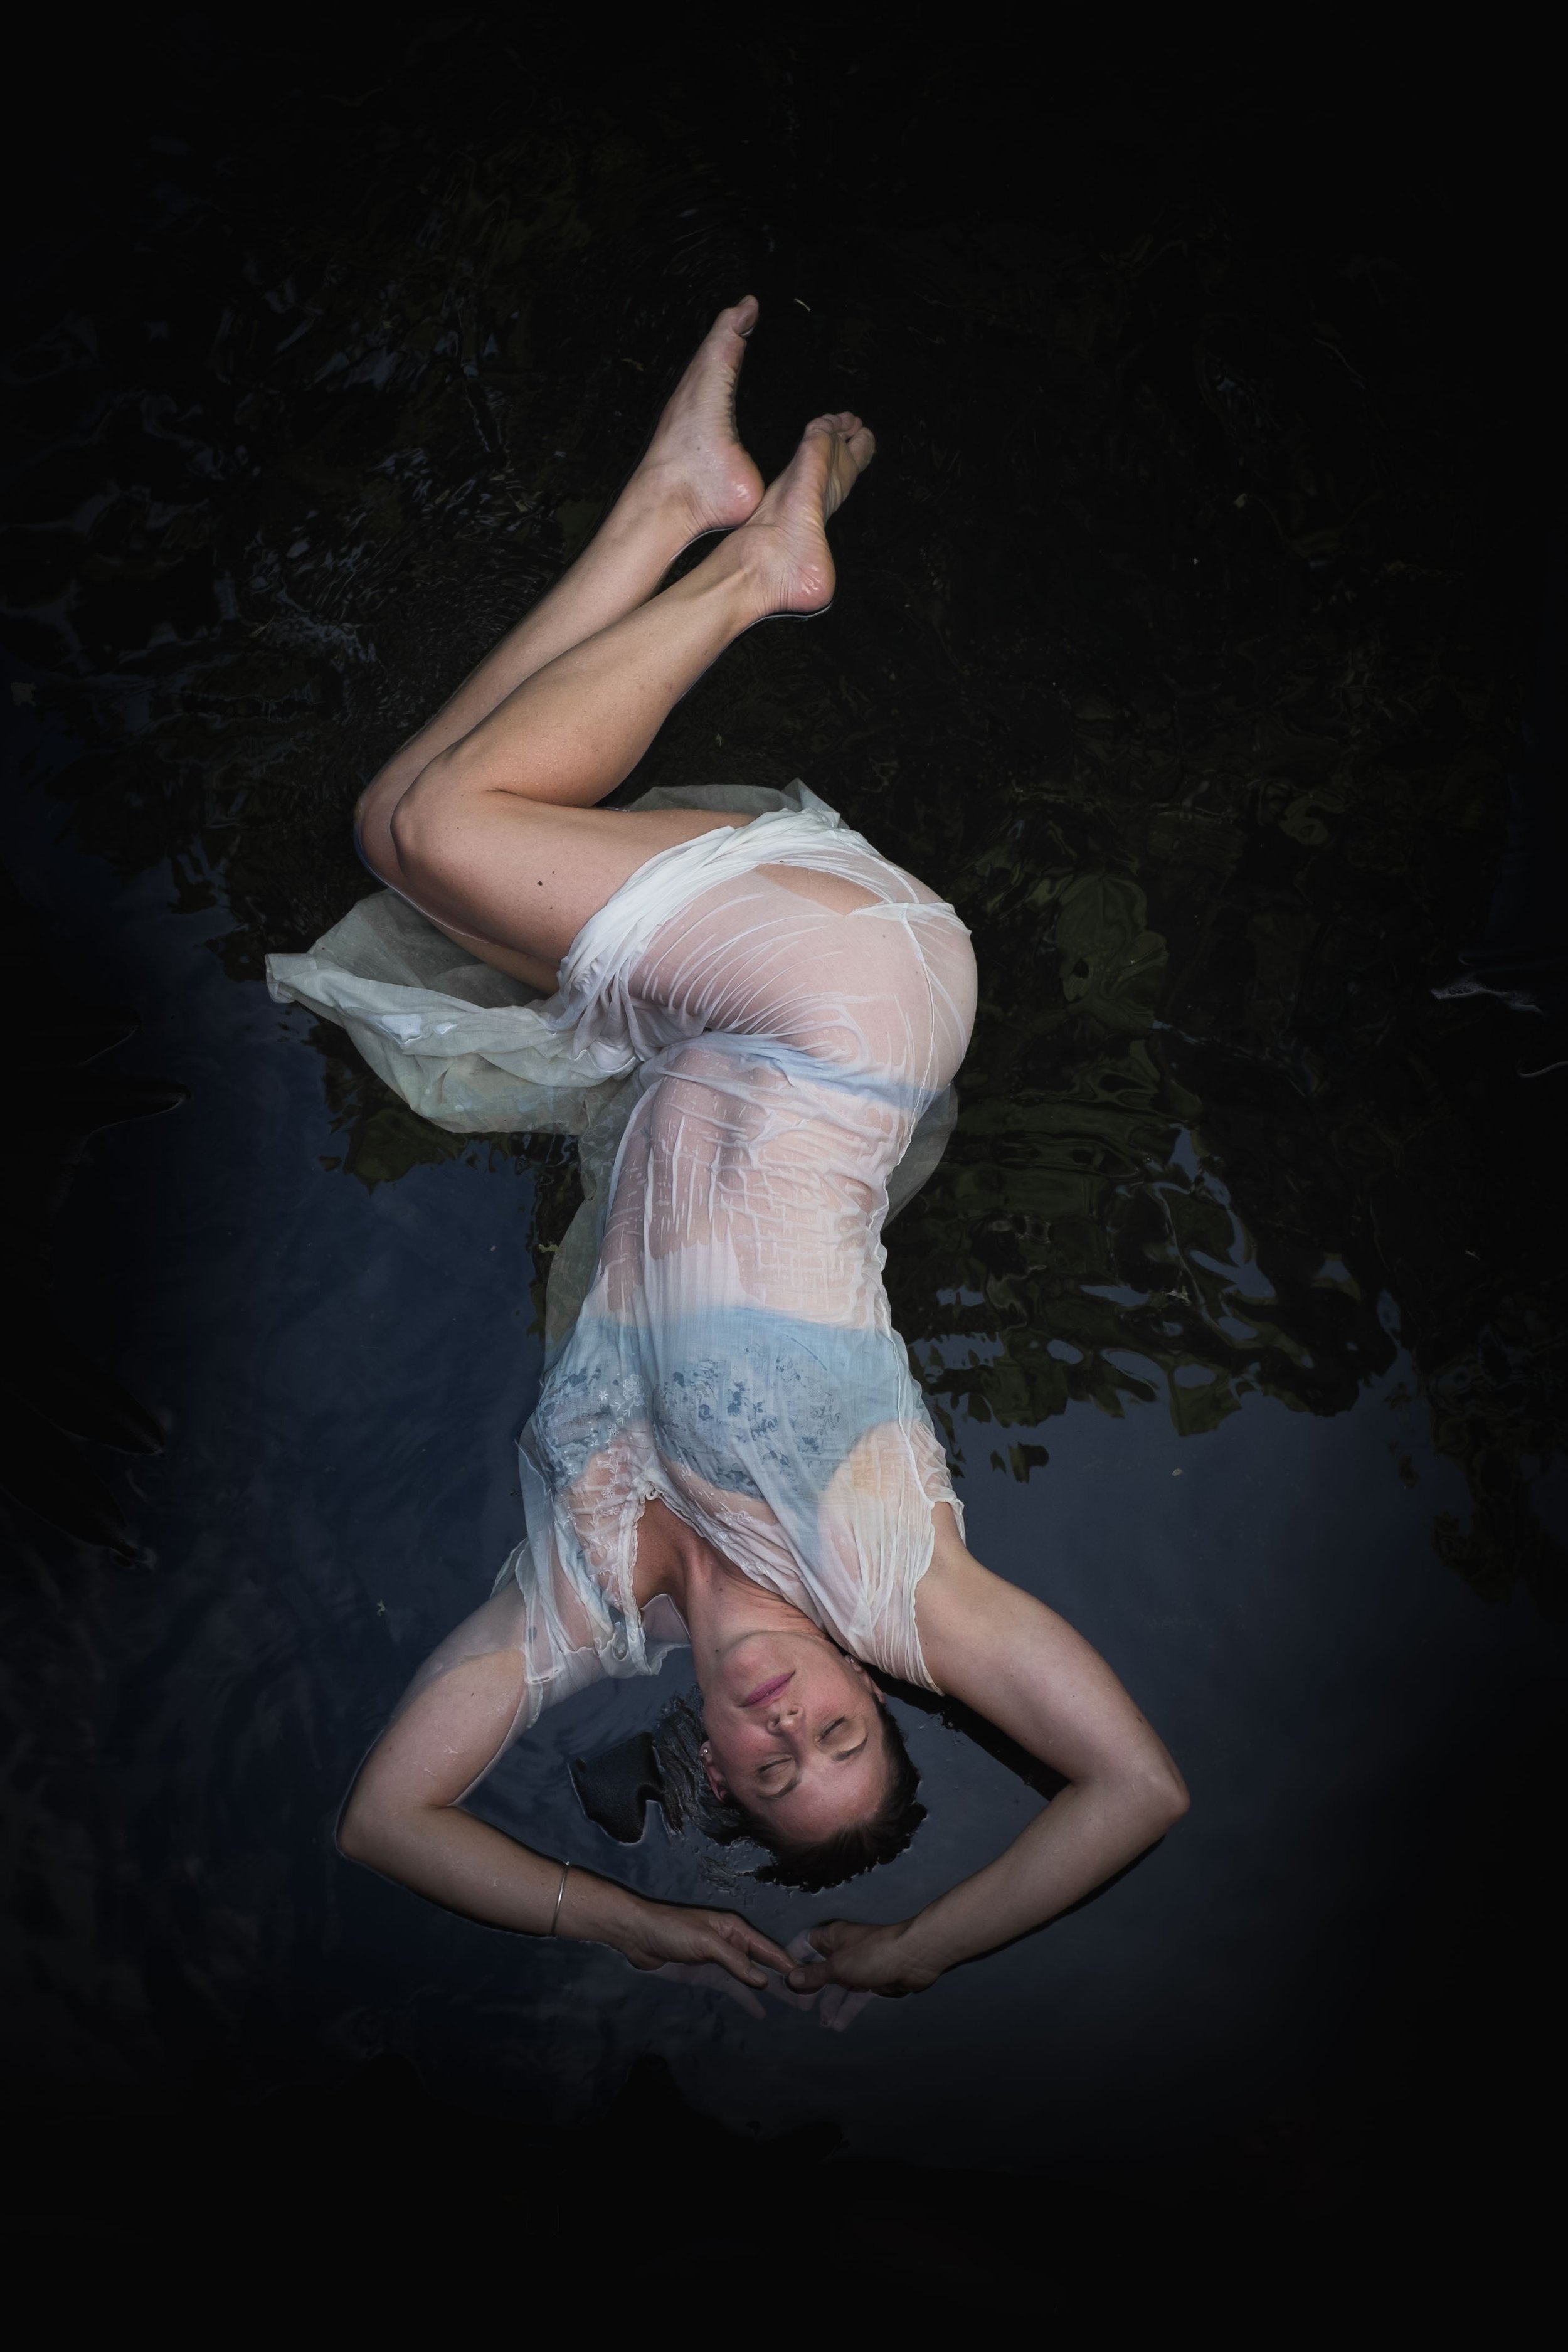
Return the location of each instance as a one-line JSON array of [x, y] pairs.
[[748, 1069]]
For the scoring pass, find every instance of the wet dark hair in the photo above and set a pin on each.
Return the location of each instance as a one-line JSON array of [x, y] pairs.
[[688, 1800], [664, 1767]]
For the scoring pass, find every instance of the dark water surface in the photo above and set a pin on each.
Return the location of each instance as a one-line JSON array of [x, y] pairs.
[[1184, 636]]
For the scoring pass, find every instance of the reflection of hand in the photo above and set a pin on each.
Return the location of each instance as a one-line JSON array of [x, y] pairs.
[[654, 1933], [715, 1979], [859, 1958]]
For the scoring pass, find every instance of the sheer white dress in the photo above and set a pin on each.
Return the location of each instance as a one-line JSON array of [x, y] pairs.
[[769, 1062]]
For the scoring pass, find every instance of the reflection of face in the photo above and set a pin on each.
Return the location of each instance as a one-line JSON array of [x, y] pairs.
[[794, 1735]]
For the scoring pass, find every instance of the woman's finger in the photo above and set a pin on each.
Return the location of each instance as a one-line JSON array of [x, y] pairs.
[[763, 1947], [749, 1938], [738, 1963], [815, 1953]]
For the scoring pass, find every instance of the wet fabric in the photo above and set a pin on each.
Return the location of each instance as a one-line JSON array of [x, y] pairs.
[[476, 1052], [734, 1354]]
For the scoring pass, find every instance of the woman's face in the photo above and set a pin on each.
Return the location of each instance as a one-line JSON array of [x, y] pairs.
[[794, 1735]]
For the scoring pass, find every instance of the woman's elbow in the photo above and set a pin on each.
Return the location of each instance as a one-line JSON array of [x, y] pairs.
[[1150, 1795], [359, 1830], [1164, 1797]]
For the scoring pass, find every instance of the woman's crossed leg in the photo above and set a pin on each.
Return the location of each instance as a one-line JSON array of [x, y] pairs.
[[487, 818]]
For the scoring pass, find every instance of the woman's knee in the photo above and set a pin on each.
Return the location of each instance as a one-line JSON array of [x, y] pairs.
[[393, 822], [372, 816], [422, 824]]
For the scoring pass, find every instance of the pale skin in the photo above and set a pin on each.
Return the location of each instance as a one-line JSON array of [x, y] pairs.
[[488, 819]]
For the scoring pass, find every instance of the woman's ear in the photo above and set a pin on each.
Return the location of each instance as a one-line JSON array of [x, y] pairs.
[[878, 1693], [716, 1780]]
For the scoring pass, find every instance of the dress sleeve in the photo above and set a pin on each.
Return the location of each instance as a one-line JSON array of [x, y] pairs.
[[875, 1539]]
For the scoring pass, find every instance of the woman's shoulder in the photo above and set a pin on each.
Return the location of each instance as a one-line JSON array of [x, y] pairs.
[[954, 1599]]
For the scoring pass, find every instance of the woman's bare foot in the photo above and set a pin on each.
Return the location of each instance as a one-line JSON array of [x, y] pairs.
[[785, 545], [696, 460]]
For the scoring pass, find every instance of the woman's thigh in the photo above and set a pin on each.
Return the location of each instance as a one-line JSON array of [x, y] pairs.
[[513, 879]]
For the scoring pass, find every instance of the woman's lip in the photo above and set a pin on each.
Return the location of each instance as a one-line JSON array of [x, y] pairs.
[[770, 1689]]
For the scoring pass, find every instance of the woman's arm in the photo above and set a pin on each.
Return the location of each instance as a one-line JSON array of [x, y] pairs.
[[1018, 1663], [403, 1819]]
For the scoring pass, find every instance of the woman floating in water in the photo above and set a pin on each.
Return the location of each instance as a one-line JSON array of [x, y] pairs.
[[728, 1449]]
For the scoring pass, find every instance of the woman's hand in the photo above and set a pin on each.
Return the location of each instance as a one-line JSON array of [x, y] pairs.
[[654, 1933], [836, 2007], [865, 1958]]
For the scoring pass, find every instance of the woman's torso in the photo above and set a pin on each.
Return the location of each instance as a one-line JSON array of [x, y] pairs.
[[735, 1355]]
